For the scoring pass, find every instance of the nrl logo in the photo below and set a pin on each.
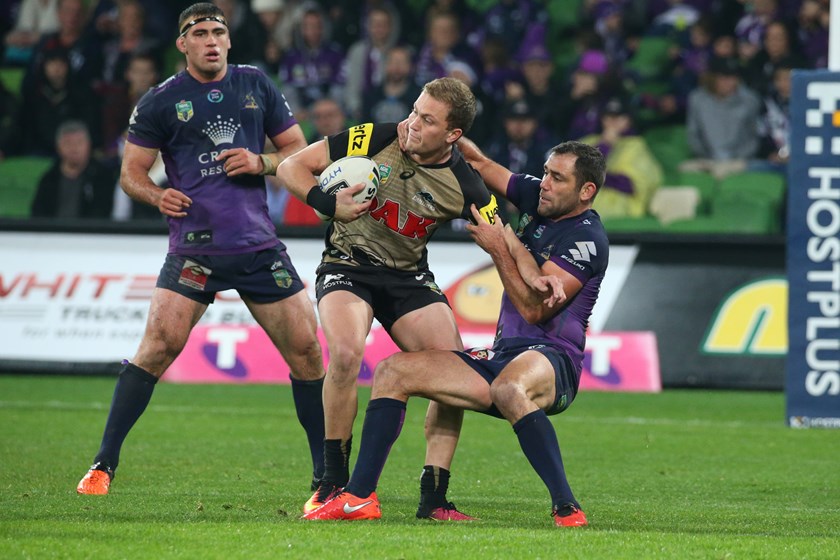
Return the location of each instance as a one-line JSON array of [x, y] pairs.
[[184, 109]]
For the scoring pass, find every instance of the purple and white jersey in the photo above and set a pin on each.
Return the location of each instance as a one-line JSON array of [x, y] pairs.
[[579, 246], [191, 123]]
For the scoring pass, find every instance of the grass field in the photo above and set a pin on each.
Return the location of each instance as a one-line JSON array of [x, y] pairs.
[[222, 471]]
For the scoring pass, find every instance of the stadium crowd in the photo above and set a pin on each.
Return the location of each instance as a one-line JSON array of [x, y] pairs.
[[606, 72]]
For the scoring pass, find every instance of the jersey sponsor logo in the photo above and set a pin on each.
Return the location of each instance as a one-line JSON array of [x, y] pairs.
[[407, 174], [132, 120], [331, 280], [215, 96], [752, 321], [572, 262], [539, 231], [388, 213], [194, 275], [358, 141], [184, 110], [203, 236], [221, 131], [584, 250], [419, 277], [480, 353], [250, 102], [426, 199], [489, 211]]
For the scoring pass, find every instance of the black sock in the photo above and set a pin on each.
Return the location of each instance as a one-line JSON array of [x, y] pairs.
[[434, 482], [309, 405], [539, 443], [383, 423], [131, 396], [337, 461]]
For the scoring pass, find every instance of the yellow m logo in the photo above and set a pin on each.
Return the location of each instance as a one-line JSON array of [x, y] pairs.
[[752, 320]]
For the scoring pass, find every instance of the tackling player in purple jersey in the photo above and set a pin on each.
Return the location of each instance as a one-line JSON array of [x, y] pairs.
[[551, 270], [210, 123]]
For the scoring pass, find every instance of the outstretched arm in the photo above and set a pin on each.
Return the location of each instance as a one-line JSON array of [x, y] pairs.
[[495, 176]]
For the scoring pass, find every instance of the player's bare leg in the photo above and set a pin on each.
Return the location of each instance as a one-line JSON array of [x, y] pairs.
[[171, 318], [346, 320]]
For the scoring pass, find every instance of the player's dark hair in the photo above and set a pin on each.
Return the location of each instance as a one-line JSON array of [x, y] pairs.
[[201, 9], [458, 96], [590, 165]]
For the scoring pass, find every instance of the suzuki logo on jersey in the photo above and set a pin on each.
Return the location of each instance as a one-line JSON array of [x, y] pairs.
[[583, 251], [221, 131]]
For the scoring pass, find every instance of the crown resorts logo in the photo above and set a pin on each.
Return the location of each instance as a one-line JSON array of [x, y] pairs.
[[221, 131]]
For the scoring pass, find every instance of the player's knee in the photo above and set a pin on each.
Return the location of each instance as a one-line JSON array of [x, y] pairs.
[[506, 394], [346, 359], [387, 376], [306, 361]]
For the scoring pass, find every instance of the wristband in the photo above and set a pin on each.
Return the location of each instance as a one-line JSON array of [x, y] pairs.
[[321, 201], [269, 166]]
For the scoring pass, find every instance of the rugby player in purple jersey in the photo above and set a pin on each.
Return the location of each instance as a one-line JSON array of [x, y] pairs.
[[560, 250], [210, 123]]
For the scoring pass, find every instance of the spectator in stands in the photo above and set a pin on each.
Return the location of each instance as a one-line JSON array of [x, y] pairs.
[[140, 75], [129, 40], [751, 27], [34, 19], [312, 68], [633, 174], [774, 125], [689, 62], [271, 14], [53, 99], [812, 32], [246, 32], [83, 49], [521, 145], [510, 20], [721, 125], [365, 62], [776, 49], [590, 87], [393, 100], [77, 185], [484, 123], [540, 84], [444, 44]]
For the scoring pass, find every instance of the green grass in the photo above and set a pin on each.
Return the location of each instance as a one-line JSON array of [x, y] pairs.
[[222, 471]]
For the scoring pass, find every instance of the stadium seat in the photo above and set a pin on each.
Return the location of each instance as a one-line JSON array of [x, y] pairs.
[[643, 224], [669, 146], [20, 176], [706, 186], [758, 193], [12, 79], [650, 61]]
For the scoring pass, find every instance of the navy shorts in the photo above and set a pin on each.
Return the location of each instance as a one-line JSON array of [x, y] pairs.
[[490, 363], [263, 276], [390, 293]]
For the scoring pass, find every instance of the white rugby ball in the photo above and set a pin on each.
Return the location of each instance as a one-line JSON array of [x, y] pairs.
[[349, 171]]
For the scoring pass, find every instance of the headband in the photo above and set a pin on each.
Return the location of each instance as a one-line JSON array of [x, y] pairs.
[[187, 26]]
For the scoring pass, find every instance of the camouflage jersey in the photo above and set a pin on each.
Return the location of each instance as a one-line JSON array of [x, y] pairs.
[[412, 202]]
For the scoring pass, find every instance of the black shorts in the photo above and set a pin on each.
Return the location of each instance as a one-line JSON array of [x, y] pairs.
[[264, 276], [391, 293], [490, 363]]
